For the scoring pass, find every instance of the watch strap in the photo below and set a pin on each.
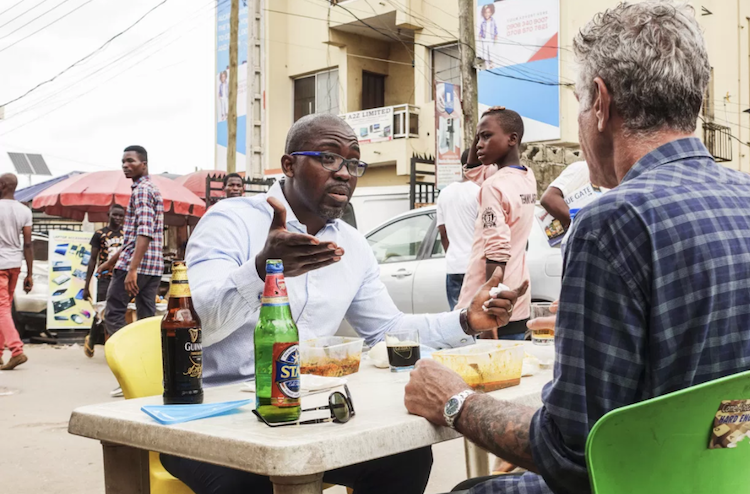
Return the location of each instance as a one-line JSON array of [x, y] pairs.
[[461, 397], [463, 319]]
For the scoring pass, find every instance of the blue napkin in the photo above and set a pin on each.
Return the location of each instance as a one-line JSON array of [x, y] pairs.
[[176, 414]]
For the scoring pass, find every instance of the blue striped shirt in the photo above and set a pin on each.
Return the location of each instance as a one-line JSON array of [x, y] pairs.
[[655, 298]]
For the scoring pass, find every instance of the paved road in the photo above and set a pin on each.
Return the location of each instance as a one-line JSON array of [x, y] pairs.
[[38, 454]]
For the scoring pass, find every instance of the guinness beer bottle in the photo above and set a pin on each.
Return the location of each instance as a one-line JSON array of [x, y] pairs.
[[181, 350], [277, 384]]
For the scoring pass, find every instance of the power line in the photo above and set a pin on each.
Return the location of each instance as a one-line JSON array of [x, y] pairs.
[[12, 7], [195, 14], [87, 56], [35, 18], [44, 27], [90, 90], [24, 13], [522, 71]]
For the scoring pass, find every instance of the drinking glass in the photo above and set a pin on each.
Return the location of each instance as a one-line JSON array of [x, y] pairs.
[[403, 349], [543, 340]]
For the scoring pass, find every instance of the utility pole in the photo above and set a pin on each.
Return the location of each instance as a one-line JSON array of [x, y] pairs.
[[467, 41], [255, 88], [234, 21]]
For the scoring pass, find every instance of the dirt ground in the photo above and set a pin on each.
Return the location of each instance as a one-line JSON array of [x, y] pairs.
[[38, 454]]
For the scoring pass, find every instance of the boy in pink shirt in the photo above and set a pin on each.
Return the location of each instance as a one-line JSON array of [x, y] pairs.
[[506, 213]]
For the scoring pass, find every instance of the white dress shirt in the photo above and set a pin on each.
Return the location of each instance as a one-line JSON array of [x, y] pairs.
[[226, 288]]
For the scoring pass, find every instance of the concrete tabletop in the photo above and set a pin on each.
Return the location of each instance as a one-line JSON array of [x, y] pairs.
[[381, 427]]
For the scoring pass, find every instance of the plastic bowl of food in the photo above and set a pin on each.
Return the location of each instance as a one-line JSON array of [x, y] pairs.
[[486, 366], [331, 356]]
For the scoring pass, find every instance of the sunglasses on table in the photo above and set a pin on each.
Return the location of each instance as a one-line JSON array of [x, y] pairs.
[[339, 404], [334, 162]]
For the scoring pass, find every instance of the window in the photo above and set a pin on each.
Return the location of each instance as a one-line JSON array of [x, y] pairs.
[[373, 90], [445, 65], [437, 247], [400, 241], [318, 93]]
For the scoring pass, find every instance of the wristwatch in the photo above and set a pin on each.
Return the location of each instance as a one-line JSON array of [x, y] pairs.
[[463, 319], [454, 406]]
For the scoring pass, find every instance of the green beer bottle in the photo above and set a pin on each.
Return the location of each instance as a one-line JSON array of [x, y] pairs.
[[277, 381]]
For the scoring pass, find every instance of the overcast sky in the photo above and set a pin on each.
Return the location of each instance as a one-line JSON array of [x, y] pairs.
[[159, 96]]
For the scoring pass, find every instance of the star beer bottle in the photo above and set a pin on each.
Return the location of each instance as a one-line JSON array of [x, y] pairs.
[[181, 349], [277, 381]]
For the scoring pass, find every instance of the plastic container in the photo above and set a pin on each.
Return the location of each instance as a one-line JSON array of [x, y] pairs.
[[331, 356], [486, 366]]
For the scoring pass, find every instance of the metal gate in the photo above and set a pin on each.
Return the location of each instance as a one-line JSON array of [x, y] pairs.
[[422, 192]]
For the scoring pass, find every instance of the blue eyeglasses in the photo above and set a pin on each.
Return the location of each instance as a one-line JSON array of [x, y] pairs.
[[333, 162]]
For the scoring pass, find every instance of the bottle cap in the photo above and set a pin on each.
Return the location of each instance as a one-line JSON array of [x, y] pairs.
[[274, 266]]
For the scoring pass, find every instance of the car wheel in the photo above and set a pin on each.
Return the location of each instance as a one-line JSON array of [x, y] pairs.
[[20, 325]]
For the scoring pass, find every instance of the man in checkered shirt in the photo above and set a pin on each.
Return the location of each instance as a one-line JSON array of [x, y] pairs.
[[656, 284], [139, 265]]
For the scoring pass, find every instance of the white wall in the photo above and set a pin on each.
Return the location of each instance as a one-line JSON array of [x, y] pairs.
[[376, 205]]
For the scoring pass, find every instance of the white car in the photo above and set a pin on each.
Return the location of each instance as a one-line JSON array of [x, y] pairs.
[[412, 262]]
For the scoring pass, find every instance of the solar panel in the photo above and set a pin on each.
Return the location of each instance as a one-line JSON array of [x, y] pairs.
[[21, 164], [38, 164]]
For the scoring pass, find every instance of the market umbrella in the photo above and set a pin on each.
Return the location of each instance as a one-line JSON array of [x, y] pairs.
[[28, 193], [95, 192], [196, 182]]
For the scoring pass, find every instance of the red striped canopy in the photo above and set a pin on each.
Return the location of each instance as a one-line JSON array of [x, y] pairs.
[[95, 192]]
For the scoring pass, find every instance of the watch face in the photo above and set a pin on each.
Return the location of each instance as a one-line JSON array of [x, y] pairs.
[[451, 408]]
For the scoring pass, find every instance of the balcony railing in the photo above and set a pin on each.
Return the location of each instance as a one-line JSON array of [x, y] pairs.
[[718, 140], [384, 123], [405, 121]]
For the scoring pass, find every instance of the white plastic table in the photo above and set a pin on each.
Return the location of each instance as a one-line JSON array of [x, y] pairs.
[[294, 457]]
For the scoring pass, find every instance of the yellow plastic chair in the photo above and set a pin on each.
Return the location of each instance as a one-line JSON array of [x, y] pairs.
[[134, 356]]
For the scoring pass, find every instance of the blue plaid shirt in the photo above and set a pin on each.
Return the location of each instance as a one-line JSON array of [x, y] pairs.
[[145, 216], [655, 298]]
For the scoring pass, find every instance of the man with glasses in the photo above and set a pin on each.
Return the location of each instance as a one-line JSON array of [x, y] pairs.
[[331, 274]]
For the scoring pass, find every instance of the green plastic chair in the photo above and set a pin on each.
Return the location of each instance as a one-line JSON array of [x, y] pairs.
[[660, 445]]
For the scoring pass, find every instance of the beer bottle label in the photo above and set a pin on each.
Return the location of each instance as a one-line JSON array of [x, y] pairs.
[[285, 388], [274, 291], [194, 353]]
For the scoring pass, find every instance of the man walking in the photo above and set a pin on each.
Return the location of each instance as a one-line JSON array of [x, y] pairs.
[[105, 243], [15, 220], [456, 214], [138, 266], [140, 263]]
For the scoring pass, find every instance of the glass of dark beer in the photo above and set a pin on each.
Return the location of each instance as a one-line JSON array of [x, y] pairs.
[[403, 349]]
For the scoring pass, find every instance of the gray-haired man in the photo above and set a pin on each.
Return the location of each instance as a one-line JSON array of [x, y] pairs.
[[656, 281]]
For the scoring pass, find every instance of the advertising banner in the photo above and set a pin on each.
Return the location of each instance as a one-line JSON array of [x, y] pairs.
[[222, 80], [448, 134], [374, 125], [69, 257], [517, 41]]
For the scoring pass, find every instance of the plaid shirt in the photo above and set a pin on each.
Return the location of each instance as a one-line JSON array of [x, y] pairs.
[[145, 216], [655, 298]]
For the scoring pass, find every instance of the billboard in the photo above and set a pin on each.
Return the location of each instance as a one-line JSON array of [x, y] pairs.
[[374, 125], [517, 41], [448, 134], [69, 257], [221, 93]]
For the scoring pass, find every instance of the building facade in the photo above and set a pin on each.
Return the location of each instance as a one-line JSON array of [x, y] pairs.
[[345, 56]]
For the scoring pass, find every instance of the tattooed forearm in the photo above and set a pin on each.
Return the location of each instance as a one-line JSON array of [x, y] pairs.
[[500, 427]]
